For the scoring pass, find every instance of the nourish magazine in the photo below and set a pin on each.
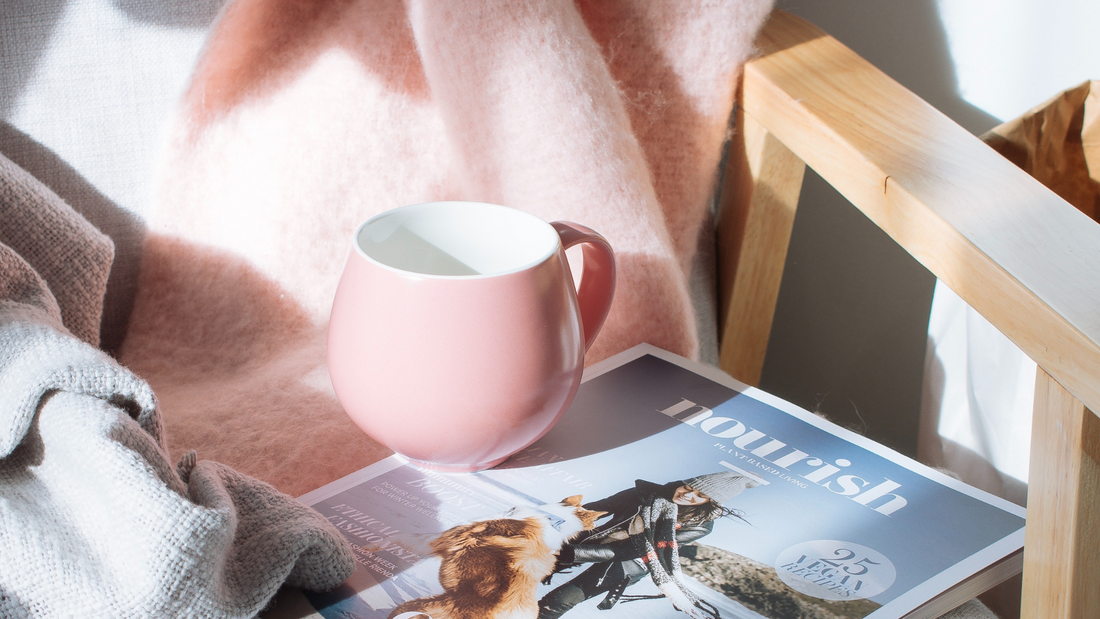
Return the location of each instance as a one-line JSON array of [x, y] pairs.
[[668, 489]]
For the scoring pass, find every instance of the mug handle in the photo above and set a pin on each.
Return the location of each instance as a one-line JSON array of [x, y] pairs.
[[597, 279]]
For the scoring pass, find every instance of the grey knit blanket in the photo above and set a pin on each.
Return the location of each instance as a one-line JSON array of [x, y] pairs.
[[95, 521]]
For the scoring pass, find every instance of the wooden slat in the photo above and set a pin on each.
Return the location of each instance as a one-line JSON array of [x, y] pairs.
[[759, 195], [1062, 541], [1016, 252]]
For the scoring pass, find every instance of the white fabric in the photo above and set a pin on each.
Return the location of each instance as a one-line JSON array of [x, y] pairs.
[[977, 400], [94, 82], [86, 88], [1008, 56]]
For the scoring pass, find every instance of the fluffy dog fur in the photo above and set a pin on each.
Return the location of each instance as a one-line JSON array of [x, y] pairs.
[[304, 118], [491, 568]]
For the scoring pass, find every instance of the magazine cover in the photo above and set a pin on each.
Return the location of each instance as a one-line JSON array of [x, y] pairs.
[[668, 489]]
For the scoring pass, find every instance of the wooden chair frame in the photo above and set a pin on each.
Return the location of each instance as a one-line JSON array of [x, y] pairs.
[[1017, 253]]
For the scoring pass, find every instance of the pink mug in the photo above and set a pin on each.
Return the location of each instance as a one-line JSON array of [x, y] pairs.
[[456, 337]]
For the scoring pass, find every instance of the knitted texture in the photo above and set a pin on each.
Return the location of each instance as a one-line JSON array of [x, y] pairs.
[[57, 244], [721, 487], [94, 519], [970, 610]]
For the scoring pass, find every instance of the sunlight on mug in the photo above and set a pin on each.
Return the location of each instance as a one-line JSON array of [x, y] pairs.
[[456, 336]]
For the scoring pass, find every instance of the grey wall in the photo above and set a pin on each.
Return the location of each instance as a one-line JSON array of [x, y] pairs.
[[850, 328]]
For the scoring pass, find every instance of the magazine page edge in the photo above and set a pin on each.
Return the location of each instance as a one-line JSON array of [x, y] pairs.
[[948, 580], [617, 360], [351, 480]]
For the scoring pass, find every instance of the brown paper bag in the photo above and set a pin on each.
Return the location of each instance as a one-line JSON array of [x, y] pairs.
[[1058, 143]]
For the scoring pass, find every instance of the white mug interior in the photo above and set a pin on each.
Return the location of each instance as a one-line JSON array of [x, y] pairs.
[[456, 239]]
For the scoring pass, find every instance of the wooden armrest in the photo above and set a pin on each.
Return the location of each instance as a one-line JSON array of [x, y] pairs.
[[1021, 256], [1025, 259]]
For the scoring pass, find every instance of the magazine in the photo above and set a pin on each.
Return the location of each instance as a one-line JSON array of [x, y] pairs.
[[815, 520]]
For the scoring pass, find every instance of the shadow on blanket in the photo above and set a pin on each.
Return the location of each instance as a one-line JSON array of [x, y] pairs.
[[125, 229], [239, 369]]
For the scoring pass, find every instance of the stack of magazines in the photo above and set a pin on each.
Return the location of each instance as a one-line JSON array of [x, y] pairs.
[[599, 517]]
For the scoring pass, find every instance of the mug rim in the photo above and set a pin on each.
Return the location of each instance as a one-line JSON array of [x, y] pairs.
[[551, 251]]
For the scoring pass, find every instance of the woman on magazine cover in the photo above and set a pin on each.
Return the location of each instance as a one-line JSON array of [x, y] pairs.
[[646, 525]]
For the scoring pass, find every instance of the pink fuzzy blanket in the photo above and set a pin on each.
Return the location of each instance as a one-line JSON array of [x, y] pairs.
[[305, 118]]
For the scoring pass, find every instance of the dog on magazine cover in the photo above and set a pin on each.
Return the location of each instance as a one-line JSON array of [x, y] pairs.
[[491, 568]]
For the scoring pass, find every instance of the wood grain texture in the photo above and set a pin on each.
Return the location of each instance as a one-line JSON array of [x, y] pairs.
[[759, 196], [1023, 257], [1062, 540], [1016, 252]]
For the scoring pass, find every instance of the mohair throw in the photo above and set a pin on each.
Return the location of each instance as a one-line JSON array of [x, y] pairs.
[[95, 521], [303, 119]]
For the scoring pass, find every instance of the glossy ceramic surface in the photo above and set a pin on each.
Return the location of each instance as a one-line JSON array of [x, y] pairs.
[[456, 336]]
